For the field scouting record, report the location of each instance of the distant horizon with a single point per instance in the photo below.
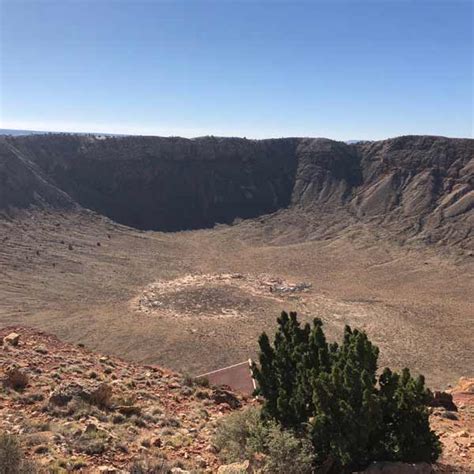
(335, 69)
(24, 132)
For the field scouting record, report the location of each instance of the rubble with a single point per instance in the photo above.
(155, 298)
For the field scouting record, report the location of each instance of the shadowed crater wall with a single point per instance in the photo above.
(168, 184)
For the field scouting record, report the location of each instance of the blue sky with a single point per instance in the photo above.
(342, 69)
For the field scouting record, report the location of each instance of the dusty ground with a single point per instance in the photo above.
(82, 278)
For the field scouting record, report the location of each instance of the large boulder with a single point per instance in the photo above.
(219, 395)
(12, 339)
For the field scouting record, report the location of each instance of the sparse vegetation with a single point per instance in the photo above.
(288, 454)
(12, 459)
(150, 466)
(31, 398)
(354, 417)
(11, 454)
(244, 434)
(238, 435)
(91, 442)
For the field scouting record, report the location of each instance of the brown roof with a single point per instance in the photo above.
(238, 377)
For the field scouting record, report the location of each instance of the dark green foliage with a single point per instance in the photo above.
(346, 403)
(403, 401)
(354, 421)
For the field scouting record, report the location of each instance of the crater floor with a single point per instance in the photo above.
(196, 301)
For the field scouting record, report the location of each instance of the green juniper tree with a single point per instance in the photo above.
(355, 417)
(403, 401)
(279, 374)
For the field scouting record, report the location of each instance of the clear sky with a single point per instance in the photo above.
(353, 69)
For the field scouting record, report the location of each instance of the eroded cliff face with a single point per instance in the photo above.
(416, 184)
(421, 185)
(327, 174)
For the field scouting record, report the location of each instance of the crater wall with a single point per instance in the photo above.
(419, 185)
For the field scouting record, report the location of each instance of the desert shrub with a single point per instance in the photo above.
(150, 466)
(243, 434)
(16, 379)
(201, 382)
(138, 421)
(93, 374)
(355, 417)
(36, 439)
(127, 400)
(61, 465)
(41, 449)
(92, 442)
(150, 418)
(287, 454)
(12, 460)
(179, 440)
(201, 394)
(190, 381)
(168, 421)
(11, 455)
(239, 435)
(187, 391)
(31, 426)
(78, 408)
(31, 398)
(118, 419)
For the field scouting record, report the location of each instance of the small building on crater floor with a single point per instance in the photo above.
(238, 377)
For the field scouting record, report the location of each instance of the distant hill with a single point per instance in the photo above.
(16, 133)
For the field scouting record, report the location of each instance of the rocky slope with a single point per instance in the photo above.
(75, 410)
(416, 186)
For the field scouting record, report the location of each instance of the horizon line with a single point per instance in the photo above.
(38, 131)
